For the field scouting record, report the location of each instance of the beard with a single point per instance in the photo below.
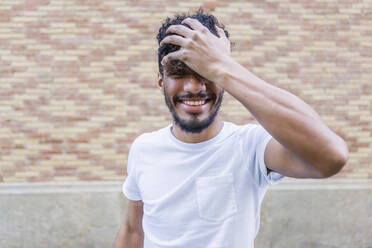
(194, 125)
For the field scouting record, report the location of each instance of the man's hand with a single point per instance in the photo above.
(200, 50)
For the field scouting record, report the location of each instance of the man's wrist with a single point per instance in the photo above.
(224, 71)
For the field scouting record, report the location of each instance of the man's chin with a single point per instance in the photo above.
(193, 126)
(192, 129)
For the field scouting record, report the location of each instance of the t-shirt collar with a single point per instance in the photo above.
(196, 145)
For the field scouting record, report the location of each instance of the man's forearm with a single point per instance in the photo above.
(286, 117)
(126, 239)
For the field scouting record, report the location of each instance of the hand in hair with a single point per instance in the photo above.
(200, 50)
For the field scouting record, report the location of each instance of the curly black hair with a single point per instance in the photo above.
(204, 18)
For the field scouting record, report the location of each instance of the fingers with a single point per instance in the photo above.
(220, 32)
(222, 35)
(175, 40)
(194, 24)
(180, 30)
(177, 55)
(197, 26)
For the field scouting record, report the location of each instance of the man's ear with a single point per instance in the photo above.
(160, 82)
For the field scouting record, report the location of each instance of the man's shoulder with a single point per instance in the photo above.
(248, 132)
(242, 128)
(151, 137)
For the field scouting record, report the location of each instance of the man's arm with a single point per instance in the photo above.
(131, 233)
(303, 145)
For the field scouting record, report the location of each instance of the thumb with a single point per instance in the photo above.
(220, 32)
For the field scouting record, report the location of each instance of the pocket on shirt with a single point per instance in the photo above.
(216, 197)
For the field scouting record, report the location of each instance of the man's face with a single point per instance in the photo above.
(192, 100)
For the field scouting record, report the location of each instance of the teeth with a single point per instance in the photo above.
(195, 103)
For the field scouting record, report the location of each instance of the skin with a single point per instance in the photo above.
(302, 145)
(131, 233)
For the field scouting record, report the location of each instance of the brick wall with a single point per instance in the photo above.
(77, 78)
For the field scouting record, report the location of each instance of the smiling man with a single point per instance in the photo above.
(193, 107)
(199, 182)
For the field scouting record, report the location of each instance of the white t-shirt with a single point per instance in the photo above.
(200, 195)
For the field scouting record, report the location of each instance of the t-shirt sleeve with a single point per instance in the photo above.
(255, 142)
(130, 186)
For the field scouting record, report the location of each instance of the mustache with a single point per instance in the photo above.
(200, 95)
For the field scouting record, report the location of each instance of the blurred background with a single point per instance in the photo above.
(78, 85)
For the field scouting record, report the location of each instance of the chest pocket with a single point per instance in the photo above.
(216, 197)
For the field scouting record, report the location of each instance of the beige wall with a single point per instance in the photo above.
(77, 78)
(299, 214)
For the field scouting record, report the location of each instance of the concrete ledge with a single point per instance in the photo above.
(60, 214)
(295, 213)
(114, 186)
(324, 184)
(59, 187)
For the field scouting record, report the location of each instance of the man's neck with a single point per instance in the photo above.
(210, 132)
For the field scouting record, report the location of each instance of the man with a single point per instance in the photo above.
(200, 181)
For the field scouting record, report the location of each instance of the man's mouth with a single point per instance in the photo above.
(194, 106)
(194, 102)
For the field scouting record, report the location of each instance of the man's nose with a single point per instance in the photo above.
(195, 85)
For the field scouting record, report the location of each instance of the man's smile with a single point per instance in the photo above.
(195, 106)
(194, 102)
